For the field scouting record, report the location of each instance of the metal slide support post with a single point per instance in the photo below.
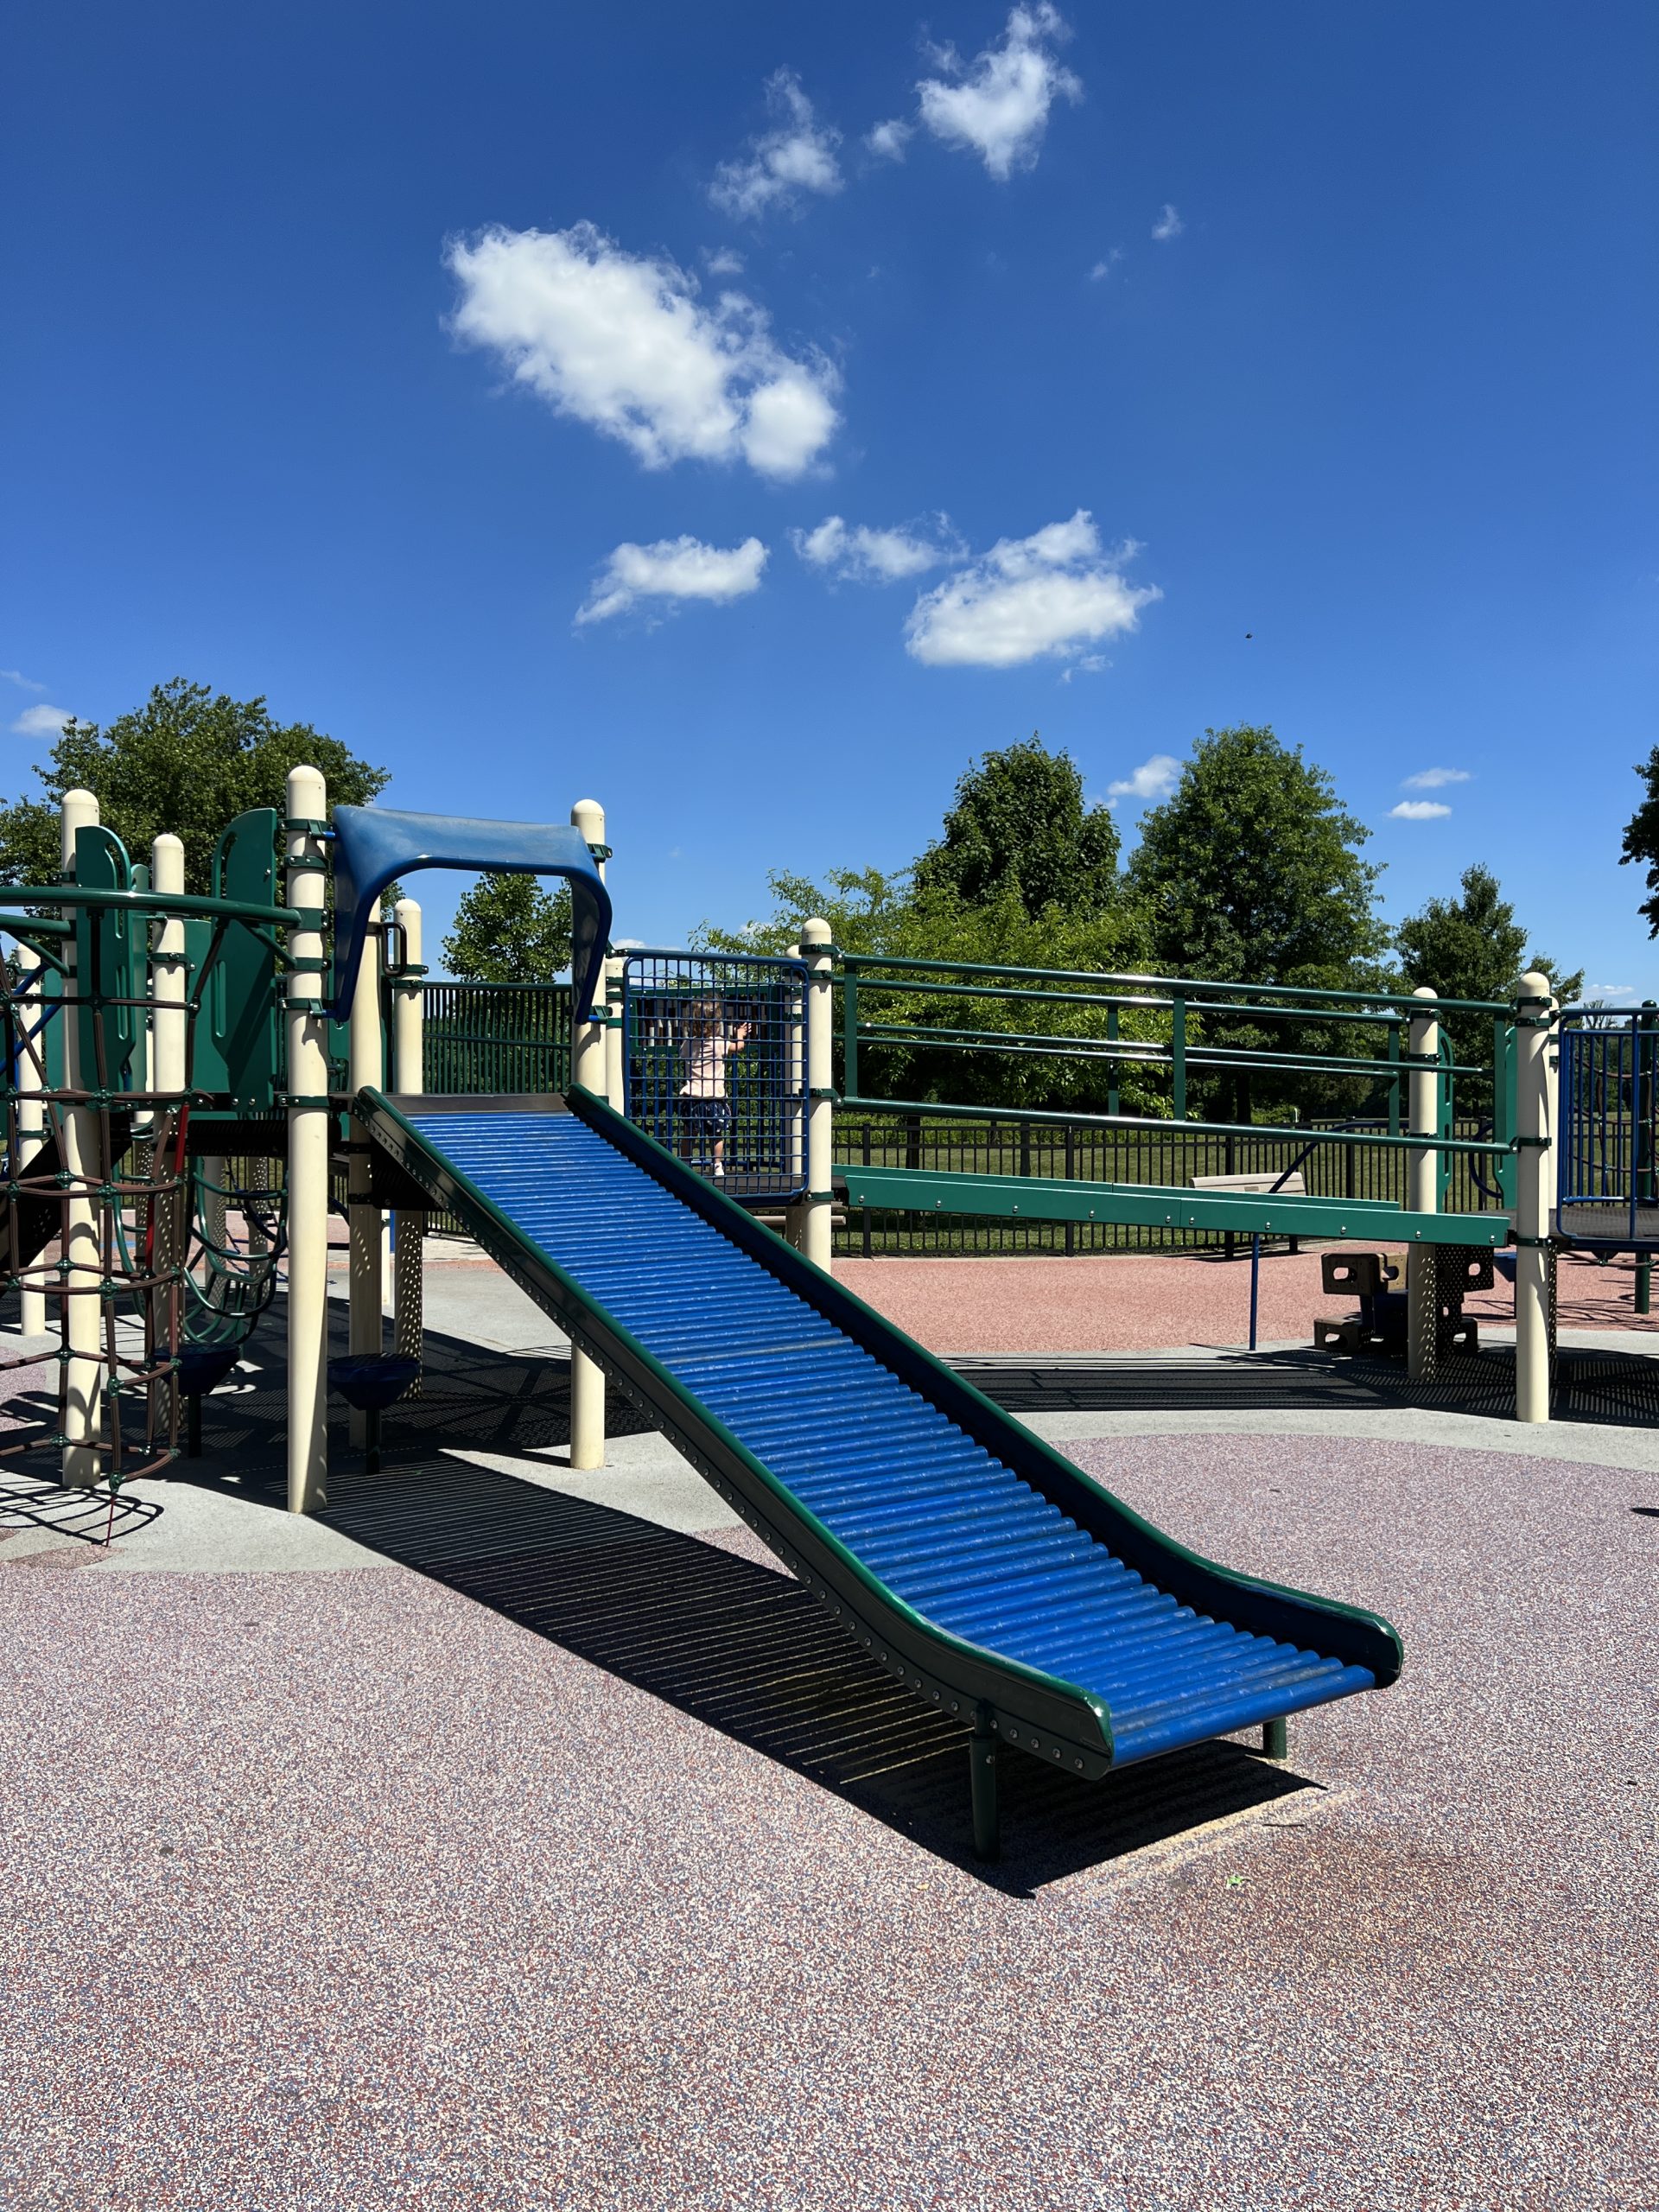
(366, 1059)
(31, 1115)
(588, 1059)
(981, 1783)
(821, 1100)
(408, 1077)
(616, 1081)
(80, 1269)
(308, 1152)
(1423, 1195)
(169, 984)
(1534, 1042)
(795, 1214)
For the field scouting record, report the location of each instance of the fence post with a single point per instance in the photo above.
(30, 1003)
(795, 1212)
(408, 1079)
(1534, 1126)
(1423, 1195)
(80, 1269)
(1178, 1057)
(588, 1067)
(366, 1066)
(307, 1150)
(820, 1113)
(169, 985)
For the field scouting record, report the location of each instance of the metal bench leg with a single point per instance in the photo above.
(1274, 1744)
(981, 1775)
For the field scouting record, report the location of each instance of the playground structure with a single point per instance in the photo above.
(157, 1039)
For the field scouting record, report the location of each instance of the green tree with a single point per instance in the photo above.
(1019, 822)
(1251, 872)
(1472, 947)
(186, 761)
(1642, 839)
(509, 930)
(875, 913)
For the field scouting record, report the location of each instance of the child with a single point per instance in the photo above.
(705, 1111)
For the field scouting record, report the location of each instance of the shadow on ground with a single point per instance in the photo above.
(1599, 1388)
(739, 1646)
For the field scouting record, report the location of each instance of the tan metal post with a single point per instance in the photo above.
(1423, 1195)
(31, 1115)
(820, 1125)
(169, 984)
(366, 1068)
(307, 1155)
(588, 1067)
(795, 1215)
(408, 1079)
(1534, 1055)
(616, 1087)
(82, 1272)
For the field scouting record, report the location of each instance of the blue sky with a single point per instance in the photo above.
(484, 386)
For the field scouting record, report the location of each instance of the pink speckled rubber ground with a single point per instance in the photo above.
(333, 1893)
(1135, 1302)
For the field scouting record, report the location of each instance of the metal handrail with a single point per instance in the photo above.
(1180, 985)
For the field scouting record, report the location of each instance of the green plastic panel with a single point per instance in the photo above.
(242, 1003)
(110, 956)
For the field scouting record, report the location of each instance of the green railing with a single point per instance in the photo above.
(1004, 1071)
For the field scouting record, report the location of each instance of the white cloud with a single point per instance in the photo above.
(1150, 781)
(798, 157)
(1434, 780)
(622, 342)
(1593, 992)
(1168, 225)
(723, 261)
(867, 555)
(889, 140)
(1419, 809)
(1051, 594)
(673, 568)
(1105, 265)
(997, 107)
(23, 683)
(41, 722)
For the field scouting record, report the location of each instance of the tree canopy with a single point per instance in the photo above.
(1642, 839)
(1021, 824)
(1472, 947)
(509, 930)
(186, 761)
(1251, 870)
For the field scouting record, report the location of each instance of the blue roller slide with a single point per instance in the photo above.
(993, 1576)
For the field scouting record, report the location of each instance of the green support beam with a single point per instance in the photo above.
(1148, 1205)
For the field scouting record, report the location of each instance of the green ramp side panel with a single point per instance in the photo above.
(110, 965)
(988, 1573)
(242, 1002)
(1158, 1205)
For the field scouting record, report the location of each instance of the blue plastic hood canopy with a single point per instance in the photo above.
(376, 845)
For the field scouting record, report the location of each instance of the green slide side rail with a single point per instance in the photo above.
(1156, 1206)
(1040, 1713)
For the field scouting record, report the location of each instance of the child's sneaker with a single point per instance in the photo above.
(720, 1171)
